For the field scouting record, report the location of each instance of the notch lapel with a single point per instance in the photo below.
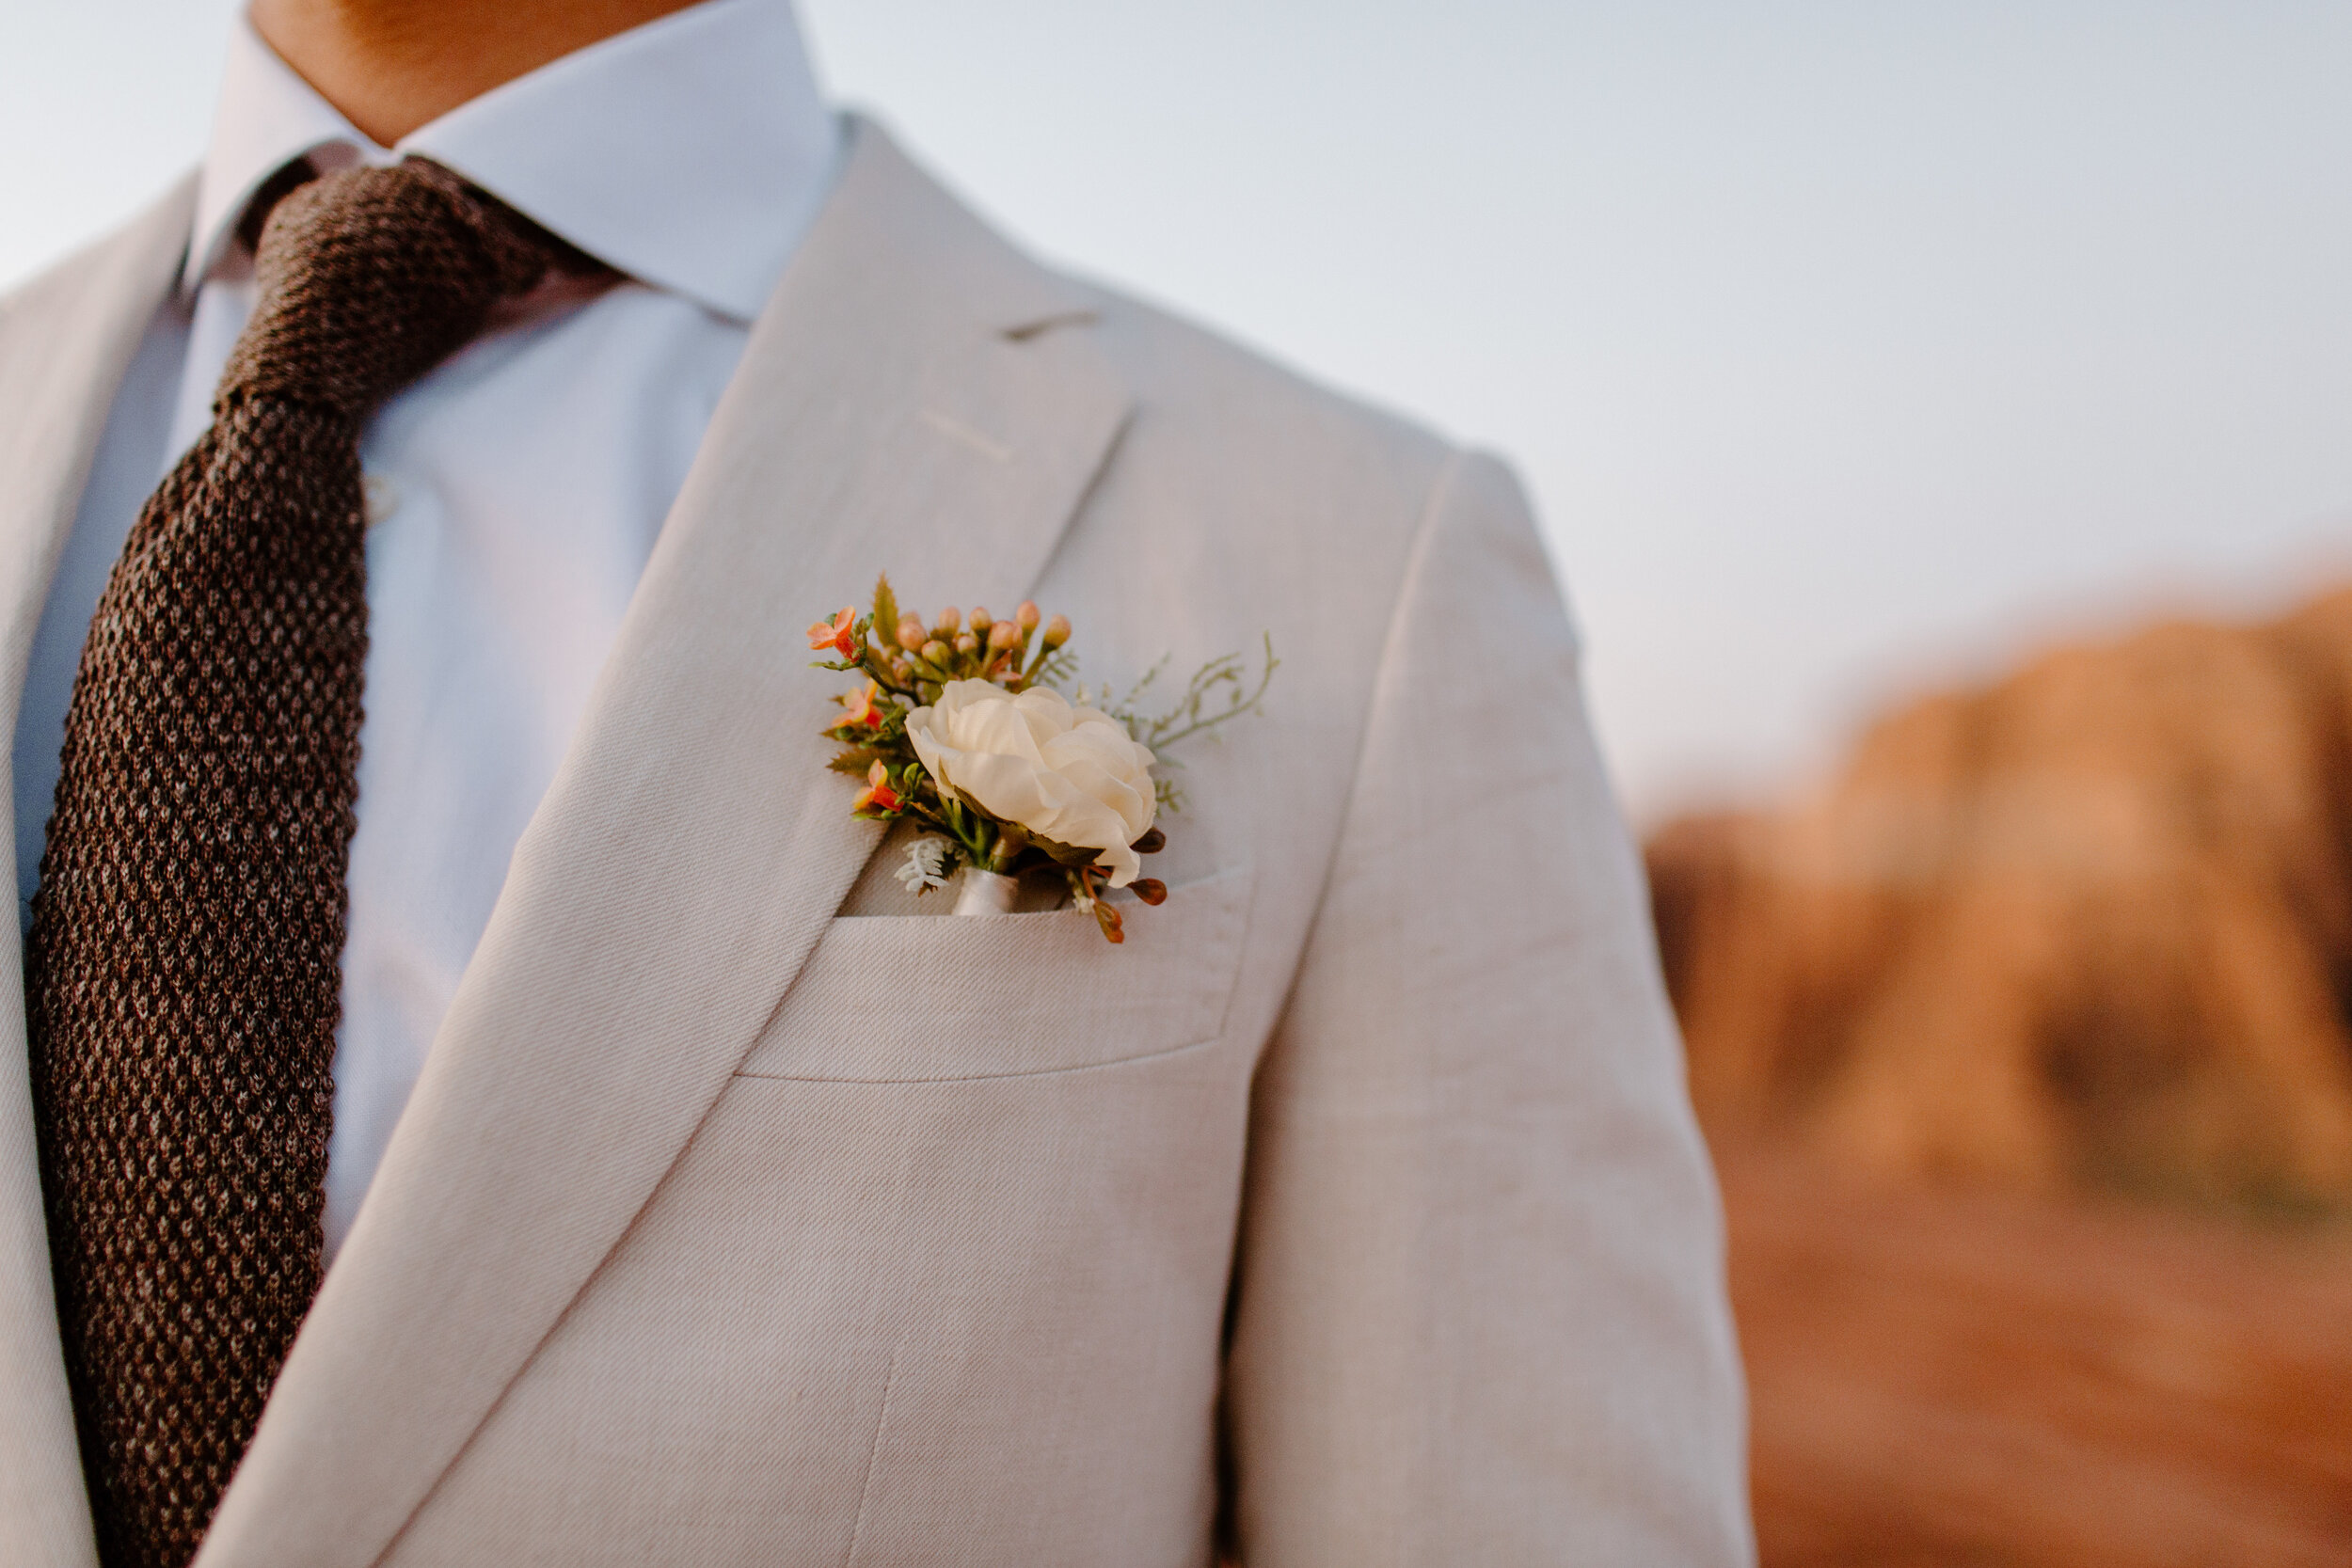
(66, 341)
(899, 406)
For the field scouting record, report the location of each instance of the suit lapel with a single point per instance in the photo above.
(899, 406)
(65, 343)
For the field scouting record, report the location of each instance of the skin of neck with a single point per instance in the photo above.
(391, 66)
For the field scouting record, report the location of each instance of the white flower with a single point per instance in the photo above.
(926, 867)
(1071, 774)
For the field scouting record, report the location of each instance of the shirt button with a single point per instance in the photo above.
(379, 497)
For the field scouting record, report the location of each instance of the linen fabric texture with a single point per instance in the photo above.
(748, 1213)
(181, 974)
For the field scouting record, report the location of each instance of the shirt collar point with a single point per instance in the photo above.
(711, 210)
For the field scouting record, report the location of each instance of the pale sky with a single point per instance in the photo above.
(1842, 346)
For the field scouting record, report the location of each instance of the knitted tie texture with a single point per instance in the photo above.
(182, 973)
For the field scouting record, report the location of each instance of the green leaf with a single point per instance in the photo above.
(857, 759)
(1064, 854)
(885, 613)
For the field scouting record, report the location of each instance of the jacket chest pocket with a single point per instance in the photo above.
(911, 999)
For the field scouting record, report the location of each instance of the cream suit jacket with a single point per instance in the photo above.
(741, 1217)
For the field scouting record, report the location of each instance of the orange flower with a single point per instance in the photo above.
(877, 795)
(835, 634)
(861, 706)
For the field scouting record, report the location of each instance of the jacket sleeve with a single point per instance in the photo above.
(1479, 1313)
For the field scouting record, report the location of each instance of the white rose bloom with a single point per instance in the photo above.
(1071, 774)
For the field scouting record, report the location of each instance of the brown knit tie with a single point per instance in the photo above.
(182, 976)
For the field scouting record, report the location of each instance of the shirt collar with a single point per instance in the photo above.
(691, 153)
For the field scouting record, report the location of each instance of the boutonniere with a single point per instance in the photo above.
(961, 724)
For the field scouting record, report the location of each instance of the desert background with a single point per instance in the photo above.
(2021, 1040)
(1941, 421)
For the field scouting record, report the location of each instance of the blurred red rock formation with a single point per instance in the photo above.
(2088, 925)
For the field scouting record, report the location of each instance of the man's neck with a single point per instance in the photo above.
(391, 66)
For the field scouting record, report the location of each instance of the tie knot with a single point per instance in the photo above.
(369, 277)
